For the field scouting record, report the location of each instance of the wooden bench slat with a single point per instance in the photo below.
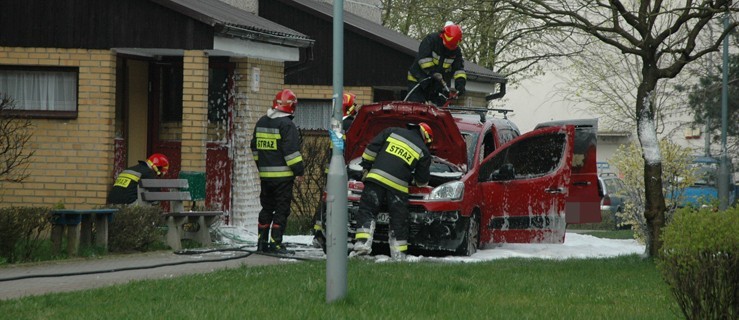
(165, 196)
(164, 183)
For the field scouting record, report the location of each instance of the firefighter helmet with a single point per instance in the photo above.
(159, 163)
(349, 104)
(426, 133)
(451, 36)
(285, 101)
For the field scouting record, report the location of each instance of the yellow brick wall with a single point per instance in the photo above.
(194, 110)
(364, 94)
(73, 158)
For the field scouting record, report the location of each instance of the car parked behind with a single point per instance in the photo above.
(614, 197)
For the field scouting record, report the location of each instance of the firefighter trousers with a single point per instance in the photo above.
(375, 197)
(275, 199)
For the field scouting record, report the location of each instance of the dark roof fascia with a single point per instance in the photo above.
(248, 26)
(387, 36)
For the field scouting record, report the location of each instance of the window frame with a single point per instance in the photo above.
(46, 114)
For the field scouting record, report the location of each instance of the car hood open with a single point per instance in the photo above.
(373, 118)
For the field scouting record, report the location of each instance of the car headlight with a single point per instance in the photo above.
(448, 191)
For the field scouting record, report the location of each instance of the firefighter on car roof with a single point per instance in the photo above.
(125, 187)
(392, 160)
(438, 53)
(276, 149)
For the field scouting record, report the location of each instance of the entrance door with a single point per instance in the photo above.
(165, 111)
(219, 162)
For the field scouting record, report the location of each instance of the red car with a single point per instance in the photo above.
(489, 184)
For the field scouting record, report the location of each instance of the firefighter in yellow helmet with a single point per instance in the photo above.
(275, 146)
(350, 109)
(392, 160)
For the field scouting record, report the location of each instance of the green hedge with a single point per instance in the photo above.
(136, 228)
(700, 262)
(21, 229)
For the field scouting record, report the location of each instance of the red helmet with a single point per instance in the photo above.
(350, 104)
(451, 36)
(426, 133)
(285, 101)
(159, 163)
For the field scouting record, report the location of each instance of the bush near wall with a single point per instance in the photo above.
(700, 262)
(21, 229)
(136, 228)
(315, 149)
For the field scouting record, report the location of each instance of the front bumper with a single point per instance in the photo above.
(429, 230)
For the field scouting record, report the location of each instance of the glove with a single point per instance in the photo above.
(453, 93)
(460, 90)
(364, 174)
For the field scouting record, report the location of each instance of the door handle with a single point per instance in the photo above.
(554, 190)
(581, 183)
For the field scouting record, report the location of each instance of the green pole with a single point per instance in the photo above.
(724, 174)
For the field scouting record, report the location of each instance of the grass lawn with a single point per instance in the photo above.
(626, 287)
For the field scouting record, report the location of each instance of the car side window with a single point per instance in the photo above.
(532, 157)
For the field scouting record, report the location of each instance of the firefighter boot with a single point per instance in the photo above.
(276, 245)
(363, 243)
(397, 247)
(263, 238)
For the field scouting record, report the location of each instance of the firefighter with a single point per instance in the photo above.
(125, 187)
(394, 159)
(350, 109)
(439, 52)
(276, 149)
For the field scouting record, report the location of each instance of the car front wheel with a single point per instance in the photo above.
(468, 247)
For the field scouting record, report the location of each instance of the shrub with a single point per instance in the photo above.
(307, 196)
(20, 231)
(135, 228)
(700, 262)
(677, 174)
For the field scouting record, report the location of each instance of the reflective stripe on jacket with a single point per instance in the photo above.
(395, 157)
(276, 148)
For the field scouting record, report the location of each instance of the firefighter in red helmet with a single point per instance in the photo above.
(125, 187)
(438, 53)
(393, 160)
(275, 146)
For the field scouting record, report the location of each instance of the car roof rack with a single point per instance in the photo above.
(481, 111)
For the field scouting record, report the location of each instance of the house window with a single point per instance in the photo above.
(41, 92)
(313, 114)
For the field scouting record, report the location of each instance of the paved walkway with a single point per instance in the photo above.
(79, 274)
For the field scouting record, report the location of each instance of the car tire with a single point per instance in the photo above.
(471, 240)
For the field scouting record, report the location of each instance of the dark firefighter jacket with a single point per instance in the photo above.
(395, 156)
(434, 57)
(125, 187)
(276, 148)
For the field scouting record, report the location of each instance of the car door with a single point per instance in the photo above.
(583, 202)
(524, 186)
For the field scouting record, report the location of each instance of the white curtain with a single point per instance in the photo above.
(313, 114)
(40, 90)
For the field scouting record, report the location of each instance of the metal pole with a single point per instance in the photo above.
(723, 174)
(336, 201)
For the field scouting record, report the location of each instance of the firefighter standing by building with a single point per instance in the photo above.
(276, 149)
(350, 109)
(125, 187)
(439, 52)
(393, 159)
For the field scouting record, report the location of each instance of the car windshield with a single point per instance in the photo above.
(470, 138)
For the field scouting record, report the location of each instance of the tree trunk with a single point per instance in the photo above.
(654, 211)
